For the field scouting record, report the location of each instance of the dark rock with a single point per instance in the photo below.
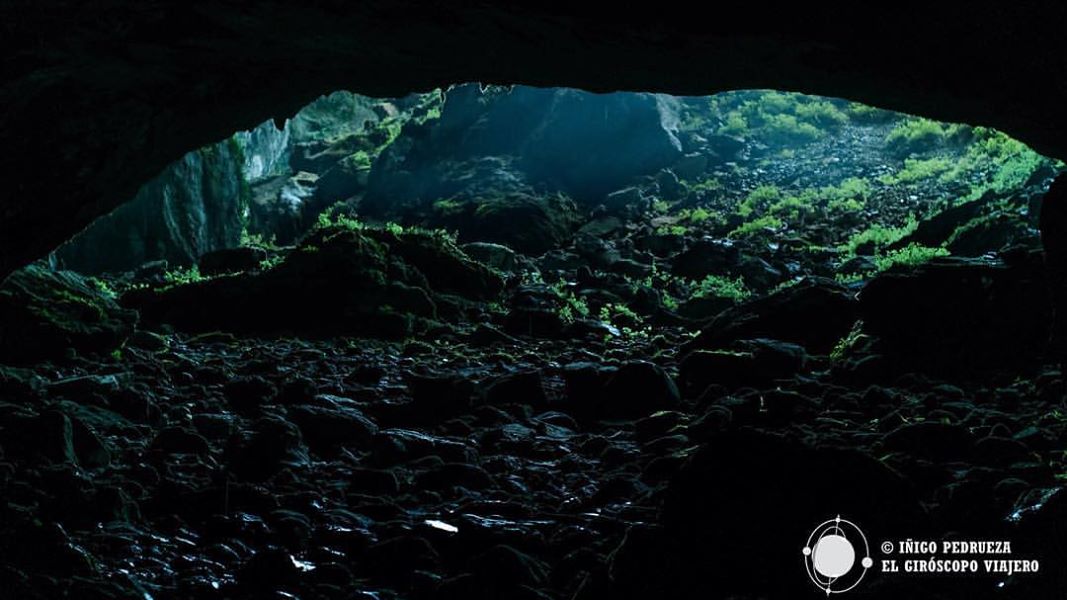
(268, 570)
(519, 388)
(634, 390)
(751, 363)
(339, 281)
(394, 446)
(956, 315)
(734, 488)
(177, 440)
(706, 257)
(816, 313)
(44, 314)
(450, 475)
(231, 260)
(438, 397)
(196, 205)
(496, 256)
(249, 394)
(325, 428)
(991, 233)
(272, 445)
(934, 441)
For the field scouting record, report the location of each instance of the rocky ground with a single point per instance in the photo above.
(645, 396)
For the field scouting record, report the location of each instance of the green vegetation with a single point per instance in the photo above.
(918, 170)
(717, 286)
(775, 116)
(915, 135)
(758, 200)
(877, 237)
(755, 226)
(908, 256)
(182, 276)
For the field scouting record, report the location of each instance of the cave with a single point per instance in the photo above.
(462, 301)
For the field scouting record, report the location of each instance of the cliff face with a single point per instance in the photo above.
(197, 204)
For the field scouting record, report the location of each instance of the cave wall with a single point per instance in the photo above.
(99, 97)
(198, 204)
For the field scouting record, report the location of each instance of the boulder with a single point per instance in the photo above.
(953, 314)
(231, 260)
(45, 313)
(743, 506)
(816, 313)
(340, 280)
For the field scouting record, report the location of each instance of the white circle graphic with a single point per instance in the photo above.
(833, 556)
(830, 556)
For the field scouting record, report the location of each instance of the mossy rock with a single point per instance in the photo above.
(44, 313)
(339, 281)
(525, 222)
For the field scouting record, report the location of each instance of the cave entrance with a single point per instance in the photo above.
(713, 200)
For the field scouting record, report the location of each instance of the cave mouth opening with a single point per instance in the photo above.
(778, 185)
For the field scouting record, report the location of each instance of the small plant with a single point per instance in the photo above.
(182, 276)
(614, 312)
(915, 135)
(448, 206)
(758, 200)
(717, 286)
(847, 342)
(339, 220)
(756, 226)
(878, 236)
(918, 170)
(908, 256)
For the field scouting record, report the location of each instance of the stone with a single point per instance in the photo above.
(341, 280)
(271, 445)
(953, 316)
(326, 429)
(231, 260)
(178, 440)
(752, 363)
(525, 387)
(496, 256)
(933, 441)
(815, 313)
(44, 314)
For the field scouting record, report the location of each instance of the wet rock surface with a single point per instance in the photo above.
(216, 466)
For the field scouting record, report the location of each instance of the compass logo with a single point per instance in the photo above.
(830, 556)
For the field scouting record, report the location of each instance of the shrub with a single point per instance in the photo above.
(821, 114)
(758, 200)
(915, 135)
(789, 129)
